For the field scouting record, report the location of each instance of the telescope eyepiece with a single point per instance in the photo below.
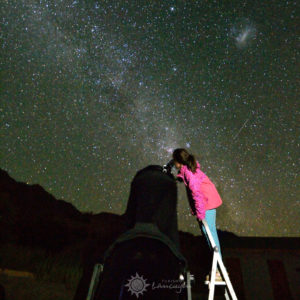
(168, 167)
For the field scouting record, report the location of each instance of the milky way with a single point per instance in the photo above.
(92, 91)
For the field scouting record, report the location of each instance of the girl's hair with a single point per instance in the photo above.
(183, 157)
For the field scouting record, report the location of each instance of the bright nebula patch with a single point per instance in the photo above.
(243, 33)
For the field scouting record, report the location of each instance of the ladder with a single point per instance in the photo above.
(98, 268)
(217, 261)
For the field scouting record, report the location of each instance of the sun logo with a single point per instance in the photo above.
(137, 285)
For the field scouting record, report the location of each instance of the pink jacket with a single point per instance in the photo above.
(203, 191)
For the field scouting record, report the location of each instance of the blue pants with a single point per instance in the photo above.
(210, 217)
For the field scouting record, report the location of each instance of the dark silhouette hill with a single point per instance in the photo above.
(31, 216)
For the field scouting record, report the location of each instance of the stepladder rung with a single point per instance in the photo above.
(216, 283)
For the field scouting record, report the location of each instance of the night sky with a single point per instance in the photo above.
(93, 91)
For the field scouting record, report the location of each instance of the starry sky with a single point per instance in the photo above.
(92, 91)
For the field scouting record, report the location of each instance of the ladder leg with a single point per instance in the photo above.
(226, 294)
(98, 268)
(189, 292)
(212, 279)
(226, 278)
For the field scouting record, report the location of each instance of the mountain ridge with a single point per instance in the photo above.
(29, 215)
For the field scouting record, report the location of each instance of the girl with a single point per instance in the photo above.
(202, 193)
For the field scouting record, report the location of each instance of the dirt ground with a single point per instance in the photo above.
(32, 289)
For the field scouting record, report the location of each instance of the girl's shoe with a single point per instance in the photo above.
(218, 277)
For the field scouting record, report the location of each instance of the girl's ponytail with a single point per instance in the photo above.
(183, 157)
(191, 163)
